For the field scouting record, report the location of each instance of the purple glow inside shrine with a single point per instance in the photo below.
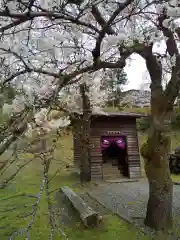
(106, 141)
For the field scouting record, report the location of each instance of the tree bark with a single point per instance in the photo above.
(159, 207)
(85, 173)
(155, 150)
(155, 153)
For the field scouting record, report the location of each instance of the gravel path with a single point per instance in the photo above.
(129, 200)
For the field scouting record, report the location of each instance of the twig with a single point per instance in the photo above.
(10, 160)
(52, 222)
(54, 190)
(19, 195)
(6, 181)
(34, 211)
(15, 208)
(51, 217)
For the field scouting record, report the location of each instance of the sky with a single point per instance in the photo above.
(136, 73)
(138, 76)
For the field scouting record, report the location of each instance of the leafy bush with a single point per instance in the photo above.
(143, 124)
(176, 118)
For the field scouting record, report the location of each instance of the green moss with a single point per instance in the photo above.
(144, 150)
(165, 140)
(113, 228)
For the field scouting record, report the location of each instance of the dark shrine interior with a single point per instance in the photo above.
(116, 156)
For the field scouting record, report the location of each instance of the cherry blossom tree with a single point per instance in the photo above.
(51, 44)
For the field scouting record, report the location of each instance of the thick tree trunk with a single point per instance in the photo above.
(159, 208)
(155, 153)
(85, 174)
(81, 133)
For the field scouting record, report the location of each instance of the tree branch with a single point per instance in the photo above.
(170, 42)
(17, 127)
(173, 87)
(6, 181)
(106, 27)
(24, 17)
(99, 18)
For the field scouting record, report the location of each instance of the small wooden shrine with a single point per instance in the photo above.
(114, 148)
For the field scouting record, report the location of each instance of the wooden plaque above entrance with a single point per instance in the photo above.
(114, 132)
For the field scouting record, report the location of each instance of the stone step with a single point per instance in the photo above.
(110, 166)
(111, 169)
(111, 172)
(113, 176)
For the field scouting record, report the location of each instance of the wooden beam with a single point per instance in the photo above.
(89, 217)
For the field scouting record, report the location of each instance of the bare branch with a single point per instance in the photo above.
(16, 128)
(173, 85)
(24, 17)
(97, 15)
(171, 43)
(6, 181)
(34, 211)
(19, 195)
(106, 27)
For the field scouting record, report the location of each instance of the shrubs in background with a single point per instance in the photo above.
(144, 123)
(176, 119)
